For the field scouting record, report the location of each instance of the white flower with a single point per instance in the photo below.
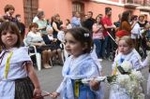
(127, 66)
(137, 75)
(130, 81)
(122, 79)
(141, 96)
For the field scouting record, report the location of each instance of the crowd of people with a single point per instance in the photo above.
(84, 42)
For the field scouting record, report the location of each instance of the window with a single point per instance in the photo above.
(78, 7)
(30, 10)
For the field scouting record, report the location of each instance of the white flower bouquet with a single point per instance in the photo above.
(128, 79)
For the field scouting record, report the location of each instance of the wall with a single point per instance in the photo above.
(52, 7)
(99, 8)
(64, 8)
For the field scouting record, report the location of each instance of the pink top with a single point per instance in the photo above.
(97, 31)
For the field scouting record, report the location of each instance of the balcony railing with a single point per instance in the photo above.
(137, 2)
(134, 2)
(146, 2)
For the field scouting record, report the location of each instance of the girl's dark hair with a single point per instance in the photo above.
(12, 28)
(125, 16)
(83, 36)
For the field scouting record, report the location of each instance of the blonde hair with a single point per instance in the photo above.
(128, 40)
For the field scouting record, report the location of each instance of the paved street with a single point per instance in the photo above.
(51, 78)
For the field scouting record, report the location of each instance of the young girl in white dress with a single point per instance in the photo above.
(18, 79)
(79, 65)
(126, 53)
(146, 63)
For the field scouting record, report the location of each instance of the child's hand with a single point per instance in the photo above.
(94, 84)
(54, 95)
(113, 26)
(37, 92)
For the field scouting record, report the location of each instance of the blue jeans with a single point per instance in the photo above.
(105, 49)
(99, 47)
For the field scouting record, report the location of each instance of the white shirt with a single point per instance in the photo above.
(61, 36)
(16, 71)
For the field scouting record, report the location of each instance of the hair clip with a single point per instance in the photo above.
(86, 34)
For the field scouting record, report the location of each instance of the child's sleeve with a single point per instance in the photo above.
(146, 62)
(61, 87)
(136, 63)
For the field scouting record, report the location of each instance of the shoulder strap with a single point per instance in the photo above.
(7, 65)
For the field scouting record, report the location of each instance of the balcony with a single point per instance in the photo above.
(145, 5)
(133, 3)
(146, 2)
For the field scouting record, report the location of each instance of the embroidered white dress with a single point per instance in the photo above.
(116, 91)
(16, 71)
(146, 63)
(148, 85)
(82, 67)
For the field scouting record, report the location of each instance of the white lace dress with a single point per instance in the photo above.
(117, 92)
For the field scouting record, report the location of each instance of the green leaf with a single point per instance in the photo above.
(111, 79)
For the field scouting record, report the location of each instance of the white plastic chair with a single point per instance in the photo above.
(34, 53)
(64, 52)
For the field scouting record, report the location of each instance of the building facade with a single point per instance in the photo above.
(28, 8)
